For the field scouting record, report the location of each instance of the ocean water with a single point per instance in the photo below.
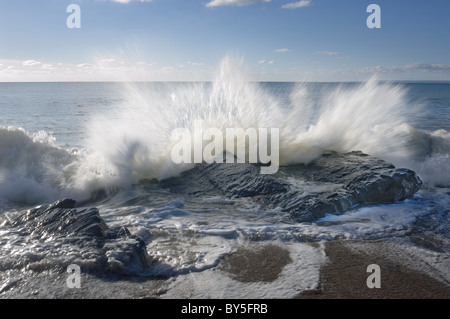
(104, 145)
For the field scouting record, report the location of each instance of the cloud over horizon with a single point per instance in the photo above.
(116, 69)
(297, 5)
(266, 62)
(329, 53)
(101, 69)
(237, 3)
(418, 66)
(128, 1)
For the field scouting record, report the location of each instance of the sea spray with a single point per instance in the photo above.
(131, 141)
(31, 166)
(136, 139)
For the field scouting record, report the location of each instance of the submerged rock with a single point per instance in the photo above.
(99, 246)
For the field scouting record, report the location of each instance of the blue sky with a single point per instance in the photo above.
(278, 40)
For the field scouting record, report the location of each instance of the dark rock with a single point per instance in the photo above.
(60, 222)
(241, 180)
(61, 219)
(351, 179)
(334, 183)
(233, 180)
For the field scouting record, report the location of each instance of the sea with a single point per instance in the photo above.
(104, 144)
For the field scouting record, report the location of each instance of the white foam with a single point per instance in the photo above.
(299, 275)
(30, 166)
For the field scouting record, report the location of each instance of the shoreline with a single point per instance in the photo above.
(343, 275)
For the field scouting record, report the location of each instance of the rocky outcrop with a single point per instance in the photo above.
(347, 180)
(241, 180)
(61, 224)
(332, 184)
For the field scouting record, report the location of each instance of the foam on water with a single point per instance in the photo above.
(185, 240)
(300, 274)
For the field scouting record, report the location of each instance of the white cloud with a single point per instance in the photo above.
(31, 63)
(427, 67)
(409, 72)
(109, 68)
(296, 5)
(266, 62)
(195, 63)
(128, 1)
(48, 66)
(424, 67)
(238, 3)
(143, 64)
(330, 53)
(82, 65)
(284, 50)
(101, 69)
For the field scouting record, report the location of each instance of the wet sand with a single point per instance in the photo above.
(345, 275)
(253, 265)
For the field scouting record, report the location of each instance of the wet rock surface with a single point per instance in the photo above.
(95, 245)
(351, 179)
(332, 184)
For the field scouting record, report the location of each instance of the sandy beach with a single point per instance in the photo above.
(344, 275)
